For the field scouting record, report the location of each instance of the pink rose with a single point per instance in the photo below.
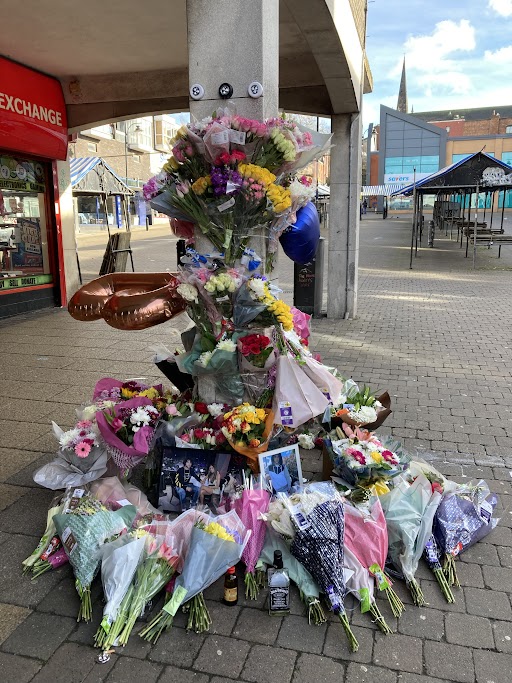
(171, 410)
(117, 424)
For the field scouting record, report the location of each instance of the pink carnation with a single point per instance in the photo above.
(84, 424)
(82, 449)
(171, 410)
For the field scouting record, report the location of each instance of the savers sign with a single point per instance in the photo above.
(32, 112)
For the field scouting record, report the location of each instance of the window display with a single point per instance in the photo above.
(23, 229)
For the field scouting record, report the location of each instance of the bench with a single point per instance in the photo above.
(489, 240)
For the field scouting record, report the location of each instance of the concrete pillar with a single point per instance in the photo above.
(344, 202)
(67, 219)
(235, 42)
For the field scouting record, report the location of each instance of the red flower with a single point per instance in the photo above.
(238, 155)
(201, 408)
(253, 344)
(223, 159)
(199, 433)
(436, 486)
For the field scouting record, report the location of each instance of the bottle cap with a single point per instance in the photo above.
(231, 570)
(278, 559)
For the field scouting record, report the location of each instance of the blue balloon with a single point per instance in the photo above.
(300, 241)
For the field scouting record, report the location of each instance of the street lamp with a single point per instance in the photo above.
(137, 129)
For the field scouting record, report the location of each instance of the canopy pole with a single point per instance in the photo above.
(463, 218)
(413, 219)
(503, 208)
(476, 223)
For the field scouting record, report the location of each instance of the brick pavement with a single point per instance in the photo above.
(438, 338)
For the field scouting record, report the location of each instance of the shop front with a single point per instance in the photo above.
(33, 136)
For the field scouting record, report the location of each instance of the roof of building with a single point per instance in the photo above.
(402, 104)
(477, 114)
(466, 173)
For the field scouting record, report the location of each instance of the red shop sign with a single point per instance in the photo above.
(32, 112)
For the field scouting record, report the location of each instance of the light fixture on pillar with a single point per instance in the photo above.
(255, 89)
(196, 91)
(225, 91)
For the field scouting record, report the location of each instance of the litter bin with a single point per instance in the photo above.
(308, 283)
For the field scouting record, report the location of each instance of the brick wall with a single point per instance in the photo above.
(359, 12)
(113, 153)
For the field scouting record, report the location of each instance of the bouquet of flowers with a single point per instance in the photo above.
(128, 429)
(300, 576)
(256, 349)
(214, 547)
(360, 584)
(82, 457)
(463, 517)
(82, 531)
(361, 459)
(318, 545)
(202, 437)
(366, 537)
(248, 430)
(46, 542)
(119, 562)
(222, 176)
(409, 512)
(154, 571)
(250, 508)
(361, 409)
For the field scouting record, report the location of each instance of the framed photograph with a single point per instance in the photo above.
(195, 477)
(281, 468)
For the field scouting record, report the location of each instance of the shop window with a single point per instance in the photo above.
(508, 130)
(136, 158)
(92, 147)
(23, 226)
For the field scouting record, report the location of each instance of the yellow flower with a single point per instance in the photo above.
(376, 456)
(201, 184)
(128, 393)
(171, 165)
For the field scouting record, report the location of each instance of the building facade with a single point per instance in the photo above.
(414, 145)
(135, 150)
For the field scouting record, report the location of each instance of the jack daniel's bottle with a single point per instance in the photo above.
(278, 587)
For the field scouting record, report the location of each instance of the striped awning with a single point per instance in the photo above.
(80, 167)
(380, 190)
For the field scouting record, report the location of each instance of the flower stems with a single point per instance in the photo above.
(162, 622)
(85, 611)
(444, 585)
(199, 619)
(252, 589)
(450, 571)
(417, 594)
(107, 640)
(397, 606)
(315, 612)
(379, 619)
(352, 640)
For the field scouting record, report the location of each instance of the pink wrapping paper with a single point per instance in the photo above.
(249, 507)
(367, 536)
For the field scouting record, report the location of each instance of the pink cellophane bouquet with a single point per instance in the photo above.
(250, 508)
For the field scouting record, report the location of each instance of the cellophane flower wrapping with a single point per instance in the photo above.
(119, 562)
(409, 511)
(296, 570)
(114, 494)
(464, 517)
(366, 534)
(250, 507)
(318, 544)
(126, 455)
(208, 558)
(84, 529)
(358, 579)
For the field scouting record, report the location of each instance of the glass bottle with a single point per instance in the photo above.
(230, 587)
(278, 587)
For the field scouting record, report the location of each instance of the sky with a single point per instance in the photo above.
(458, 53)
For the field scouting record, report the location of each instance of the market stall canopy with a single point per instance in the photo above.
(324, 190)
(92, 175)
(381, 190)
(117, 60)
(476, 169)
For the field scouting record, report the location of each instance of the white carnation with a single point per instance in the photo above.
(215, 409)
(205, 358)
(257, 285)
(226, 345)
(188, 292)
(365, 415)
(306, 441)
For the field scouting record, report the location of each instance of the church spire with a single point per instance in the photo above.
(402, 93)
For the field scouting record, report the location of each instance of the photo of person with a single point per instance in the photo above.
(281, 469)
(199, 478)
(186, 482)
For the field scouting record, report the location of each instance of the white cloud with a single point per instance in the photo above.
(501, 56)
(429, 53)
(502, 7)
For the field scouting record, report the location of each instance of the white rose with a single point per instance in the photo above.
(306, 441)
(188, 292)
